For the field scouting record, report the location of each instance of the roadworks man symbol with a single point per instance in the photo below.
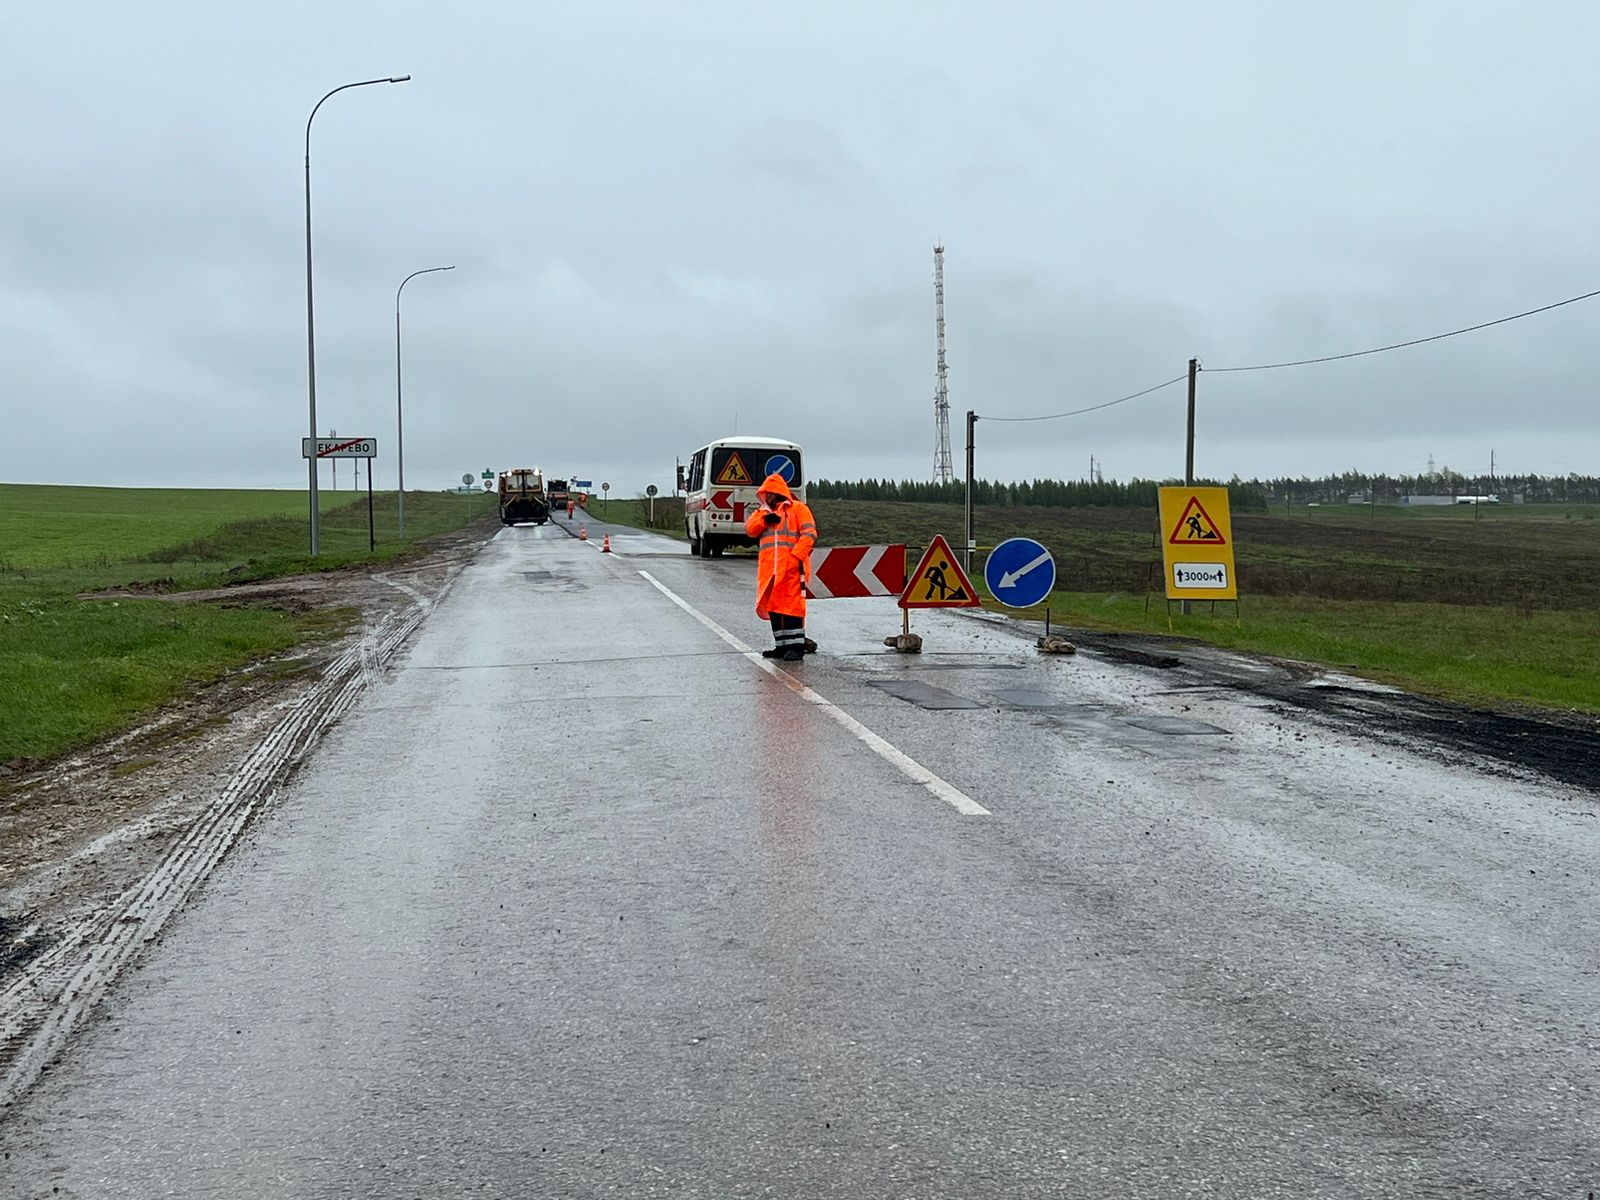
(939, 581)
(733, 473)
(1196, 526)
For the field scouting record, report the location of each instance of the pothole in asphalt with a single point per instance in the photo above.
(1032, 698)
(1172, 725)
(923, 695)
(967, 666)
(1142, 658)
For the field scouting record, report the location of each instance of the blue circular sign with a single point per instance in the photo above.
(781, 464)
(1020, 572)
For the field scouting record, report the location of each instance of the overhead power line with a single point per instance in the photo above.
(1077, 412)
(1306, 362)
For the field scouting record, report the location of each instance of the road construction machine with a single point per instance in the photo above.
(522, 496)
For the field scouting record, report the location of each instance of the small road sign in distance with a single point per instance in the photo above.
(1020, 572)
(340, 447)
(467, 478)
(841, 571)
(651, 490)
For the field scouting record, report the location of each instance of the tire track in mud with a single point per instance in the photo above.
(49, 998)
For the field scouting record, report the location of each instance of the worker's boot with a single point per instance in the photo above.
(794, 653)
(811, 647)
(774, 652)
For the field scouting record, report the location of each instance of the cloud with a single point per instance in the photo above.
(668, 223)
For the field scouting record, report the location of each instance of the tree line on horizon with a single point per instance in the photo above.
(1027, 493)
(1244, 495)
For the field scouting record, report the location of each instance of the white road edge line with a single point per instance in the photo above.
(904, 763)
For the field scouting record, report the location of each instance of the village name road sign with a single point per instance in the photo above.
(1197, 544)
(340, 447)
(1020, 572)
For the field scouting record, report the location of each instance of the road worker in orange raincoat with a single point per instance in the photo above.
(786, 531)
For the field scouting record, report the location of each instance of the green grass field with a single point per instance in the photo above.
(74, 669)
(635, 513)
(43, 526)
(1527, 557)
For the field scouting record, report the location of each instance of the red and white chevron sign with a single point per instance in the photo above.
(840, 571)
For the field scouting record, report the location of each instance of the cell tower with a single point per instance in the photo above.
(943, 471)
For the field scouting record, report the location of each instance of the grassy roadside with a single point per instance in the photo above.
(74, 669)
(635, 513)
(1476, 655)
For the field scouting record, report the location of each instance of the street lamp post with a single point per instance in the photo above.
(311, 325)
(399, 410)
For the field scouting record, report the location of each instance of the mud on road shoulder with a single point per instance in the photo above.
(1559, 745)
(110, 839)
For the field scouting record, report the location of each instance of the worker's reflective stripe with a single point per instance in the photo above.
(808, 527)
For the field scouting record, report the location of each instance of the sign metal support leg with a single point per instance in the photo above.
(372, 529)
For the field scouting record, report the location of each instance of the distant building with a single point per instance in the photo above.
(1445, 501)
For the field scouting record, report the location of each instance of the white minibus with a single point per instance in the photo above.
(720, 484)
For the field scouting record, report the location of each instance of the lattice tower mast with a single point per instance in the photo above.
(943, 471)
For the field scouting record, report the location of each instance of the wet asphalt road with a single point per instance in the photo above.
(581, 901)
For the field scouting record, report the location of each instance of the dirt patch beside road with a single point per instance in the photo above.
(78, 832)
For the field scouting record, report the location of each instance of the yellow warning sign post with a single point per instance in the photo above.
(1197, 544)
(733, 473)
(939, 581)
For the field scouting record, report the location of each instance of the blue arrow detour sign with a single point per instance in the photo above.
(1020, 572)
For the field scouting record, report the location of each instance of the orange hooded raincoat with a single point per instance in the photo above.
(785, 552)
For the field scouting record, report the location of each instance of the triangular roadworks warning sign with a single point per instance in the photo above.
(939, 581)
(734, 473)
(1195, 527)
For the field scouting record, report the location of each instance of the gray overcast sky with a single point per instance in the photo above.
(669, 219)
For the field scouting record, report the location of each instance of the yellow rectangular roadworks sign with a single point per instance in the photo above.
(1197, 544)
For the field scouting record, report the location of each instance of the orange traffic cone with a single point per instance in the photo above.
(583, 533)
(606, 548)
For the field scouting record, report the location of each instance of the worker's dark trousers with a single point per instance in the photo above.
(789, 631)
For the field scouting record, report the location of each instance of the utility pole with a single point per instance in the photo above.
(1188, 460)
(972, 544)
(943, 472)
